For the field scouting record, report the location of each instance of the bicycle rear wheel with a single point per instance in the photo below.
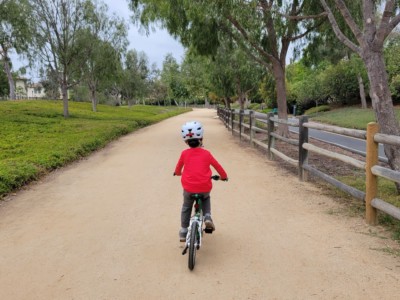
(192, 246)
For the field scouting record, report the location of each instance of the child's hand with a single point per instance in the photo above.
(217, 177)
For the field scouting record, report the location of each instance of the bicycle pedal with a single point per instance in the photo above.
(208, 230)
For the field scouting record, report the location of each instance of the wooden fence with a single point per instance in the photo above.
(250, 125)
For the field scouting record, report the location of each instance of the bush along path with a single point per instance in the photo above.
(35, 137)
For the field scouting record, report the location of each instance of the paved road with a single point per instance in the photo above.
(341, 140)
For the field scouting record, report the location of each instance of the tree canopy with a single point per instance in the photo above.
(264, 30)
(16, 31)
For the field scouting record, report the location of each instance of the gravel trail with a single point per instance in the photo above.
(107, 228)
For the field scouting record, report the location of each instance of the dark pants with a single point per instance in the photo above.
(188, 204)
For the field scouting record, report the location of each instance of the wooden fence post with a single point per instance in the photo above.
(252, 125)
(271, 126)
(303, 153)
(232, 119)
(240, 123)
(371, 179)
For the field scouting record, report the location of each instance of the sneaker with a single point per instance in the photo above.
(182, 234)
(209, 223)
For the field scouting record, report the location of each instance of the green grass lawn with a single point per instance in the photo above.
(35, 137)
(349, 117)
(386, 191)
(353, 117)
(357, 118)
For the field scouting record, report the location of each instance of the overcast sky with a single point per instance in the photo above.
(156, 45)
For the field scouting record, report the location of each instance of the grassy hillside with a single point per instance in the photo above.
(349, 117)
(35, 137)
(352, 117)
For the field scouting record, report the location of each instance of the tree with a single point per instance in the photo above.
(304, 84)
(59, 23)
(392, 61)
(50, 84)
(15, 34)
(370, 36)
(195, 71)
(323, 48)
(263, 28)
(100, 69)
(4, 85)
(247, 75)
(268, 92)
(234, 74)
(172, 78)
(135, 76)
(340, 82)
(222, 76)
(104, 40)
(158, 91)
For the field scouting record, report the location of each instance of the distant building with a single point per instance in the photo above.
(35, 91)
(21, 87)
(26, 90)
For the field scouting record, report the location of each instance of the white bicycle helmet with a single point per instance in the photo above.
(192, 130)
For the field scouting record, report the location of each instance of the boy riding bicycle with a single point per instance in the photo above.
(196, 175)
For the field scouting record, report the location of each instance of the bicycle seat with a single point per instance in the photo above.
(196, 196)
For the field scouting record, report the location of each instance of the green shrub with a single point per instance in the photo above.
(254, 106)
(267, 110)
(35, 138)
(317, 109)
(235, 105)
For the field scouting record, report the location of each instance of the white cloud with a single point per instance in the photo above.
(156, 45)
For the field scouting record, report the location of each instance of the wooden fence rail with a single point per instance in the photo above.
(253, 126)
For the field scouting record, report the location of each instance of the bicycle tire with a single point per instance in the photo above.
(192, 246)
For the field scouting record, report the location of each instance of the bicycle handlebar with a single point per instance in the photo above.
(214, 177)
(217, 177)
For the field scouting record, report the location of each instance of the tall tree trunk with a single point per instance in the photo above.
(118, 97)
(227, 102)
(372, 99)
(362, 91)
(94, 99)
(64, 91)
(92, 84)
(384, 110)
(279, 76)
(239, 93)
(7, 70)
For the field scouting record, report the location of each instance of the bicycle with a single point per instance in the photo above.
(195, 230)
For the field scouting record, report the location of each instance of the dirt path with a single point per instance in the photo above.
(107, 228)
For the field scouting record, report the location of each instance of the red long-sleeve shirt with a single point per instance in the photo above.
(196, 175)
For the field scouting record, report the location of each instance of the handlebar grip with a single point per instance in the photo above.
(215, 177)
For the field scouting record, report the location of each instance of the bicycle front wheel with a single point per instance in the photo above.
(192, 246)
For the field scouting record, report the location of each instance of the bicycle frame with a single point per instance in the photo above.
(196, 218)
(195, 230)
